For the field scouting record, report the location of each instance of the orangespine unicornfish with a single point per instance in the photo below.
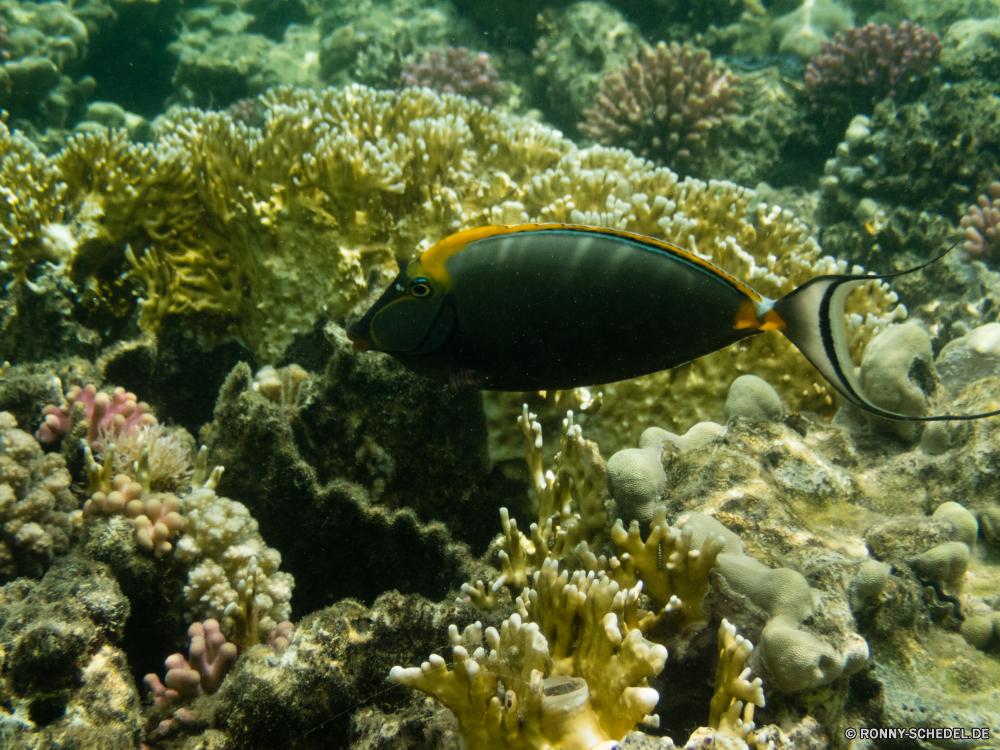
(554, 306)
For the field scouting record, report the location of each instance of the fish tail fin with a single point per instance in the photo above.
(814, 321)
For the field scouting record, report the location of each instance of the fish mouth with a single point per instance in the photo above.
(360, 344)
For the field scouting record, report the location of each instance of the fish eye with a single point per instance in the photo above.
(421, 288)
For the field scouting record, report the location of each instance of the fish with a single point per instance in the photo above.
(541, 307)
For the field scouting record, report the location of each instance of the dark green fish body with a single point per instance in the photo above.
(557, 328)
(553, 306)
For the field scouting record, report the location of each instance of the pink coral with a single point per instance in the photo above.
(458, 72)
(210, 659)
(873, 62)
(663, 104)
(982, 227)
(118, 413)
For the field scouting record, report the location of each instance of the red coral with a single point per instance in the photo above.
(982, 228)
(663, 104)
(458, 72)
(873, 62)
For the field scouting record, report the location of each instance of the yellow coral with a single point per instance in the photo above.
(673, 575)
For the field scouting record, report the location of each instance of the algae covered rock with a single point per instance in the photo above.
(63, 671)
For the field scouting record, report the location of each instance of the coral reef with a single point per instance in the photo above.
(663, 104)
(935, 155)
(866, 65)
(458, 71)
(349, 457)
(372, 42)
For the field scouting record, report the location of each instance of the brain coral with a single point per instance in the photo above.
(252, 233)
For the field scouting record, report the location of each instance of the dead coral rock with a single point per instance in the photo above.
(336, 662)
(60, 665)
(340, 541)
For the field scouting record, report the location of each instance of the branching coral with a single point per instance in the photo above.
(457, 72)
(155, 517)
(663, 104)
(571, 510)
(597, 696)
(873, 62)
(673, 572)
(233, 575)
(118, 413)
(982, 227)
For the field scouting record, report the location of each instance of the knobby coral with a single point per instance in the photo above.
(39, 516)
(457, 72)
(872, 62)
(663, 104)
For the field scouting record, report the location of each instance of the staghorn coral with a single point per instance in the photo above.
(457, 72)
(981, 223)
(39, 516)
(870, 63)
(663, 104)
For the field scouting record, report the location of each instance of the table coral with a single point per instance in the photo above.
(663, 104)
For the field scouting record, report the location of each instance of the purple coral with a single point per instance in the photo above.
(458, 72)
(873, 62)
(982, 227)
(664, 103)
(242, 110)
